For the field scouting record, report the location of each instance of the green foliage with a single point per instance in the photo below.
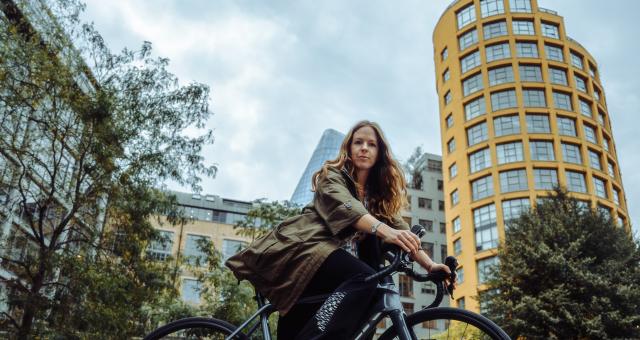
(86, 135)
(264, 217)
(566, 272)
(414, 167)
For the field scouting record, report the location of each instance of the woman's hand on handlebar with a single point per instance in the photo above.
(404, 239)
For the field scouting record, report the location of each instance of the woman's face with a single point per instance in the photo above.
(364, 148)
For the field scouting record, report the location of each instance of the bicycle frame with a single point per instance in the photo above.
(387, 305)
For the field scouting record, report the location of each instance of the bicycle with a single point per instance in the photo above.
(474, 326)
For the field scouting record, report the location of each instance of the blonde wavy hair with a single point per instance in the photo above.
(386, 185)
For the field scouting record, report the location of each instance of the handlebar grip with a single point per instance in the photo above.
(418, 230)
(452, 263)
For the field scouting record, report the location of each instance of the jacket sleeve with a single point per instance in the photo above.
(335, 204)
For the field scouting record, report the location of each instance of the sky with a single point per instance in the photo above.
(281, 72)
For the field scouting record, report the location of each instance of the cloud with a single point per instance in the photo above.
(281, 72)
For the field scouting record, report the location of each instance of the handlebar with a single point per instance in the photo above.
(401, 262)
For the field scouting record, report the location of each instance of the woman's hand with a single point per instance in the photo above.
(405, 239)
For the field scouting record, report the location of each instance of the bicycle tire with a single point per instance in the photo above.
(173, 329)
(479, 323)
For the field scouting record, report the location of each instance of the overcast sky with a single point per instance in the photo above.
(281, 72)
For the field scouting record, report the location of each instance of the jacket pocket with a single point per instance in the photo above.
(273, 262)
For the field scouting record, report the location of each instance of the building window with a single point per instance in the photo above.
(503, 100)
(457, 247)
(596, 95)
(231, 247)
(443, 247)
(460, 277)
(449, 121)
(485, 269)
(553, 52)
(427, 224)
(405, 283)
(440, 183)
(594, 160)
(456, 225)
(611, 170)
(455, 198)
(428, 248)
(466, 16)
(193, 249)
(599, 187)
(527, 49)
(545, 179)
(581, 84)
(605, 144)
(446, 76)
(558, 76)
(500, 75)
(506, 125)
(472, 84)
(590, 134)
(441, 205)
(562, 101)
(470, 62)
(616, 197)
(531, 73)
(482, 187)
(512, 209)
(453, 171)
(571, 153)
(542, 151)
(424, 203)
(161, 246)
(444, 54)
(475, 108)
(566, 126)
(523, 6)
(576, 60)
(480, 160)
(523, 27)
(550, 30)
(191, 290)
(497, 52)
(486, 228)
(468, 39)
(513, 180)
(477, 134)
(491, 7)
(601, 118)
(451, 145)
(509, 152)
(534, 98)
(494, 29)
(538, 124)
(576, 182)
(447, 97)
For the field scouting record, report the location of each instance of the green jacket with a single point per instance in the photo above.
(281, 263)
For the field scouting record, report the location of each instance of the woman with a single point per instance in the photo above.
(359, 193)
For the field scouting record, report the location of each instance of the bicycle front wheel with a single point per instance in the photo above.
(443, 323)
(195, 328)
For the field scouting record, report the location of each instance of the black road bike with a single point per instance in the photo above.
(432, 322)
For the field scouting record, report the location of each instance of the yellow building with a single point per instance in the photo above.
(521, 109)
(211, 219)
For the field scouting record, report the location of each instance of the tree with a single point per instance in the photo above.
(265, 216)
(566, 272)
(86, 136)
(414, 167)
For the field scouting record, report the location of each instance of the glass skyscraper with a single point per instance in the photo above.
(327, 149)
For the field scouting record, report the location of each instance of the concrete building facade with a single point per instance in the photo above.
(522, 109)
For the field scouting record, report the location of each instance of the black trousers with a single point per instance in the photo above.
(341, 275)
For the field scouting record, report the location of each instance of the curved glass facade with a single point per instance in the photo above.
(327, 149)
(524, 105)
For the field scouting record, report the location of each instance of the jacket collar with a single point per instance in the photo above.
(350, 182)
